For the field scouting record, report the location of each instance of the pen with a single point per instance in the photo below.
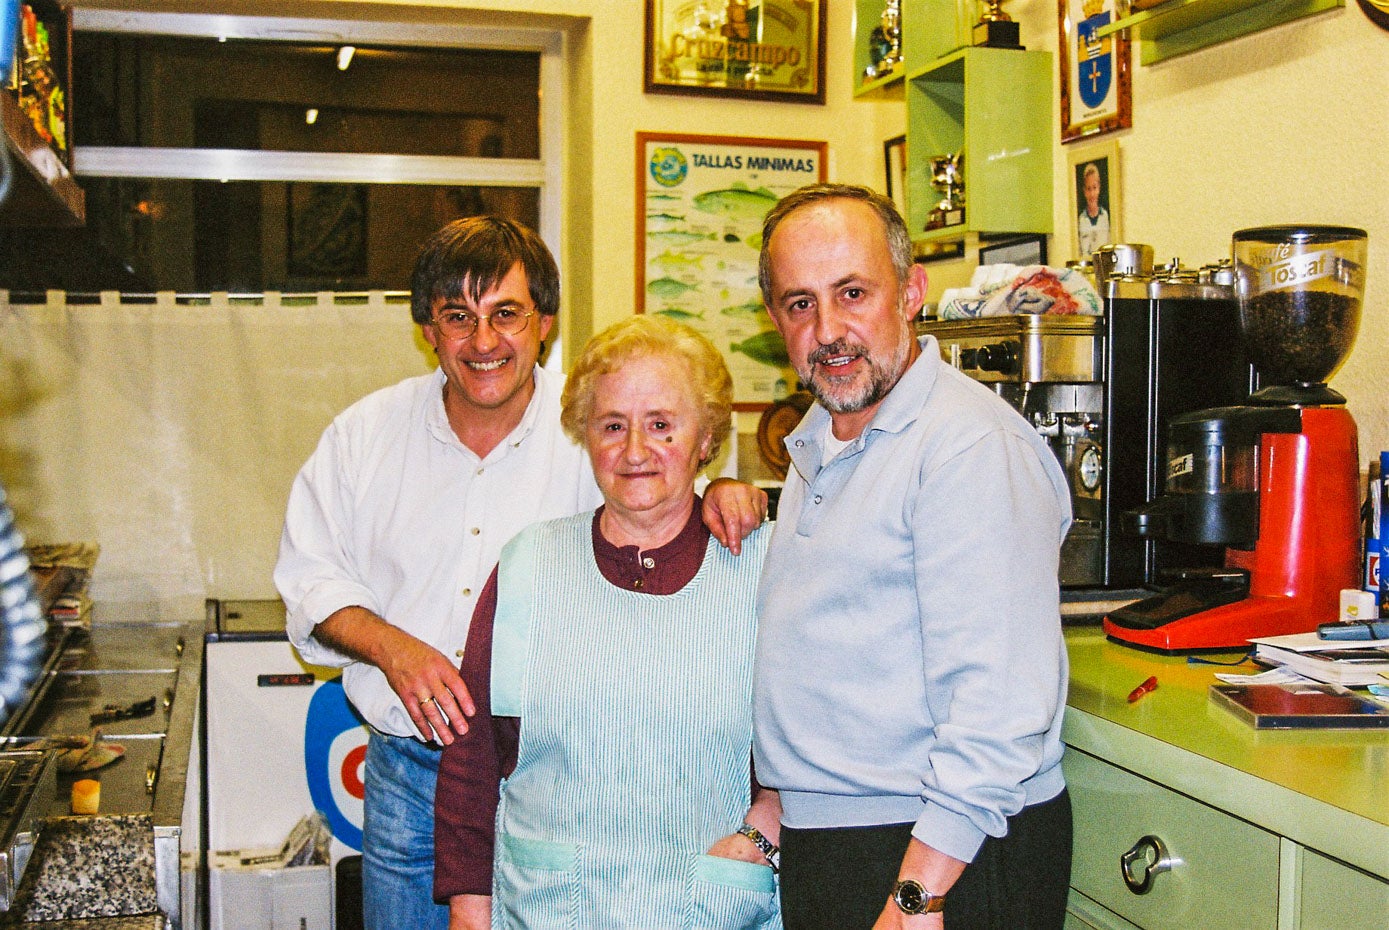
(1149, 684)
(1354, 629)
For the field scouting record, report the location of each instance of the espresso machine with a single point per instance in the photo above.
(1102, 390)
(1275, 479)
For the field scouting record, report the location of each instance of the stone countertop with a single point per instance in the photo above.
(89, 867)
(121, 868)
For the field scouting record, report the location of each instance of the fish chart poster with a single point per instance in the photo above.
(703, 199)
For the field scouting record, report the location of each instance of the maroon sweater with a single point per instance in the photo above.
(472, 767)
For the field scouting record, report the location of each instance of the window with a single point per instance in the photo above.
(249, 154)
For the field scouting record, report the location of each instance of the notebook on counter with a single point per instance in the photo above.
(1304, 705)
(1341, 662)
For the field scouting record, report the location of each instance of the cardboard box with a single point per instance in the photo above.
(252, 897)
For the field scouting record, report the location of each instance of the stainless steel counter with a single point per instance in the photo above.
(143, 794)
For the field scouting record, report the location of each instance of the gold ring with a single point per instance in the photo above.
(428, 700)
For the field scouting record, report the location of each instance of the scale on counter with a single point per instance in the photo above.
(28, 791)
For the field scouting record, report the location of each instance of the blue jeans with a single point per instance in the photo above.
(398, 836)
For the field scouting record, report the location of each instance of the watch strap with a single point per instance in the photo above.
(769, 850)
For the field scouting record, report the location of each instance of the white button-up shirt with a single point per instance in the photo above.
(393, 513)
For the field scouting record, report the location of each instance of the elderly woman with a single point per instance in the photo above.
(610, 658)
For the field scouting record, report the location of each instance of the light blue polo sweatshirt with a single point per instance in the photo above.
(910, 665)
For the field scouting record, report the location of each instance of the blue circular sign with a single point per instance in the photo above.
(335, 746)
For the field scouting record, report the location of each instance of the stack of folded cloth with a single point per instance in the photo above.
(1003, 290)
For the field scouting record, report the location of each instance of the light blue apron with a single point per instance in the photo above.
(636, 730)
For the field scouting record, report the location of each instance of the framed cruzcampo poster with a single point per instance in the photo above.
(1096, 96)
(699, 234)
(754, 49)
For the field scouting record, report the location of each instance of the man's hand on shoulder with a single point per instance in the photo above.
(426, 681)
(732, 510)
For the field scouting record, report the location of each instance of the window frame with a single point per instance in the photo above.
(544, 173)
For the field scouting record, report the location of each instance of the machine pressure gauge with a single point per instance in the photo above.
(1088, 468)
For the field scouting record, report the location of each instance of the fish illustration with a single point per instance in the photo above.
(751, 308)
(736, 202)
(678, 236)
(663, 219)
(766, 347)
(668, 288)
(673, 261)
(682, 316)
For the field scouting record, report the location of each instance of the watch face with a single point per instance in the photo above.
(910, 897)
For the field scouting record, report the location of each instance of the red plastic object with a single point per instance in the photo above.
(1308, 547)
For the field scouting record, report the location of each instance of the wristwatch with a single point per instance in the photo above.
(911, 898)
(770, 851)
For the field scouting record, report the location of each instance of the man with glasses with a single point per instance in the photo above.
(397, 518)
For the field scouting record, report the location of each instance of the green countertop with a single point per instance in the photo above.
(1326, 789)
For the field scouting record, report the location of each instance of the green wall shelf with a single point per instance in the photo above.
(930, 29)
(994, 105)
(1181, 26)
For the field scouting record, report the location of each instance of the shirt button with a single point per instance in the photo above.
(481, 470)
(818, 498)
(475, 530)
(648, 562)
(637, 583)
(458, 653)
(800, 443)
(467, 592)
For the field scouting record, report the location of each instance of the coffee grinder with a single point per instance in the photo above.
(1274, 480)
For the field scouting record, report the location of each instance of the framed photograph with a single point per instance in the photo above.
(938, 250)
(699, 233)
(895, 163)
(1096, 96)
(1019, 250)
(755, 49)
(1094, 186)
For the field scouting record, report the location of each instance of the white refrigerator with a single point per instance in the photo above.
(281, 742)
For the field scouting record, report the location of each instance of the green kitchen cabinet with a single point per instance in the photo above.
(994, 106)
(1285, 830)
(1337, 897)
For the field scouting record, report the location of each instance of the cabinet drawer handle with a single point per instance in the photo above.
(1144, 860)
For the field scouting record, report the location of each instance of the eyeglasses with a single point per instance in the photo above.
(460, 324)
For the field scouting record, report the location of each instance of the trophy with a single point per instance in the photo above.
(885, 43)
(947, 176)
(996, 29)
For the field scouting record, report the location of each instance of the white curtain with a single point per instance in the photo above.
(169, 432)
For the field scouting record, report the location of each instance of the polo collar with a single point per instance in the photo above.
(899, 409)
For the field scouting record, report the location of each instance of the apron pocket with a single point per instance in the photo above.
(729, 894)
(536, 884)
